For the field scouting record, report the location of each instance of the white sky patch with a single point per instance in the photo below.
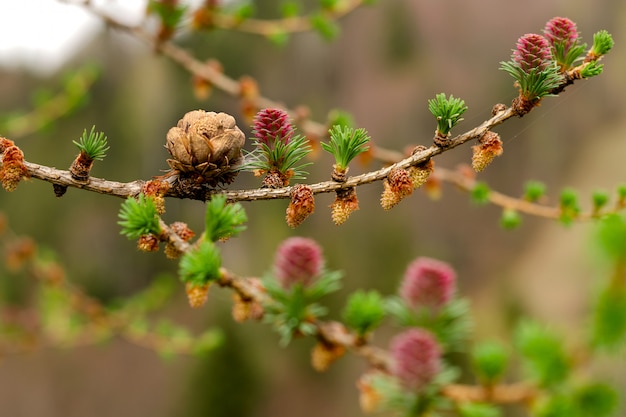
(41, 35)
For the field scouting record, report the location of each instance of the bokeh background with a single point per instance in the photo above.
(387, 62)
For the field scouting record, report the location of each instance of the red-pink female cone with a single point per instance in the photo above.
(428, 283)
(272, 125)
(298, 260)
(532, 51)
(416, 358)
(561, 30)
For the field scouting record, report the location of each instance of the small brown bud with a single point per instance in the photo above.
(498, 108)
(156, 189)
(197, 295)
(345, 203)
(148, 243)
(339, 175)
(489, 146)
(184, 232)
(59, 190)
(81, 167)
(276, 179)
(397, 186)
(324, 354)
(521, 105)
(441, 140)
(246, 309)
(302, 204)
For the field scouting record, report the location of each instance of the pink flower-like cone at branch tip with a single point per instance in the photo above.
(561, 30)
(532, 52)
(416, 358)
(298, 260)
(271, 125)
(428, 283)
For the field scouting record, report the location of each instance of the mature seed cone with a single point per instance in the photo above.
(489, 146)
(301, 205)
(206, 145)
(197, 294)
(324, 354)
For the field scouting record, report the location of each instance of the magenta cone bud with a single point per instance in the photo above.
(298, 260)
(561, 30)
(533, 51)
(416, 358)
(271, 125)
(428, 282)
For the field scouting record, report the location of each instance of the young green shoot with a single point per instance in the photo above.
(139, 217)
(447, 111)
(223, 220)
(93, 145)
(345, 144)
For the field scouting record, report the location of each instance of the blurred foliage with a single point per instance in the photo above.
(136, 100)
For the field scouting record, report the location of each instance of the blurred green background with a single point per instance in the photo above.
(387, 62)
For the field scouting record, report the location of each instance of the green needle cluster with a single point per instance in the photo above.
(94, 145)
(345, 144)
(447, 111)
(139, 217)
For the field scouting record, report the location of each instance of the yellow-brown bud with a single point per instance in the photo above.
(344, 205)
(324, 354)
(397, 186)
(148, 243)
(246, 309)
(302, 204)
(197, 295)
(489, 146)
(13, 169)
